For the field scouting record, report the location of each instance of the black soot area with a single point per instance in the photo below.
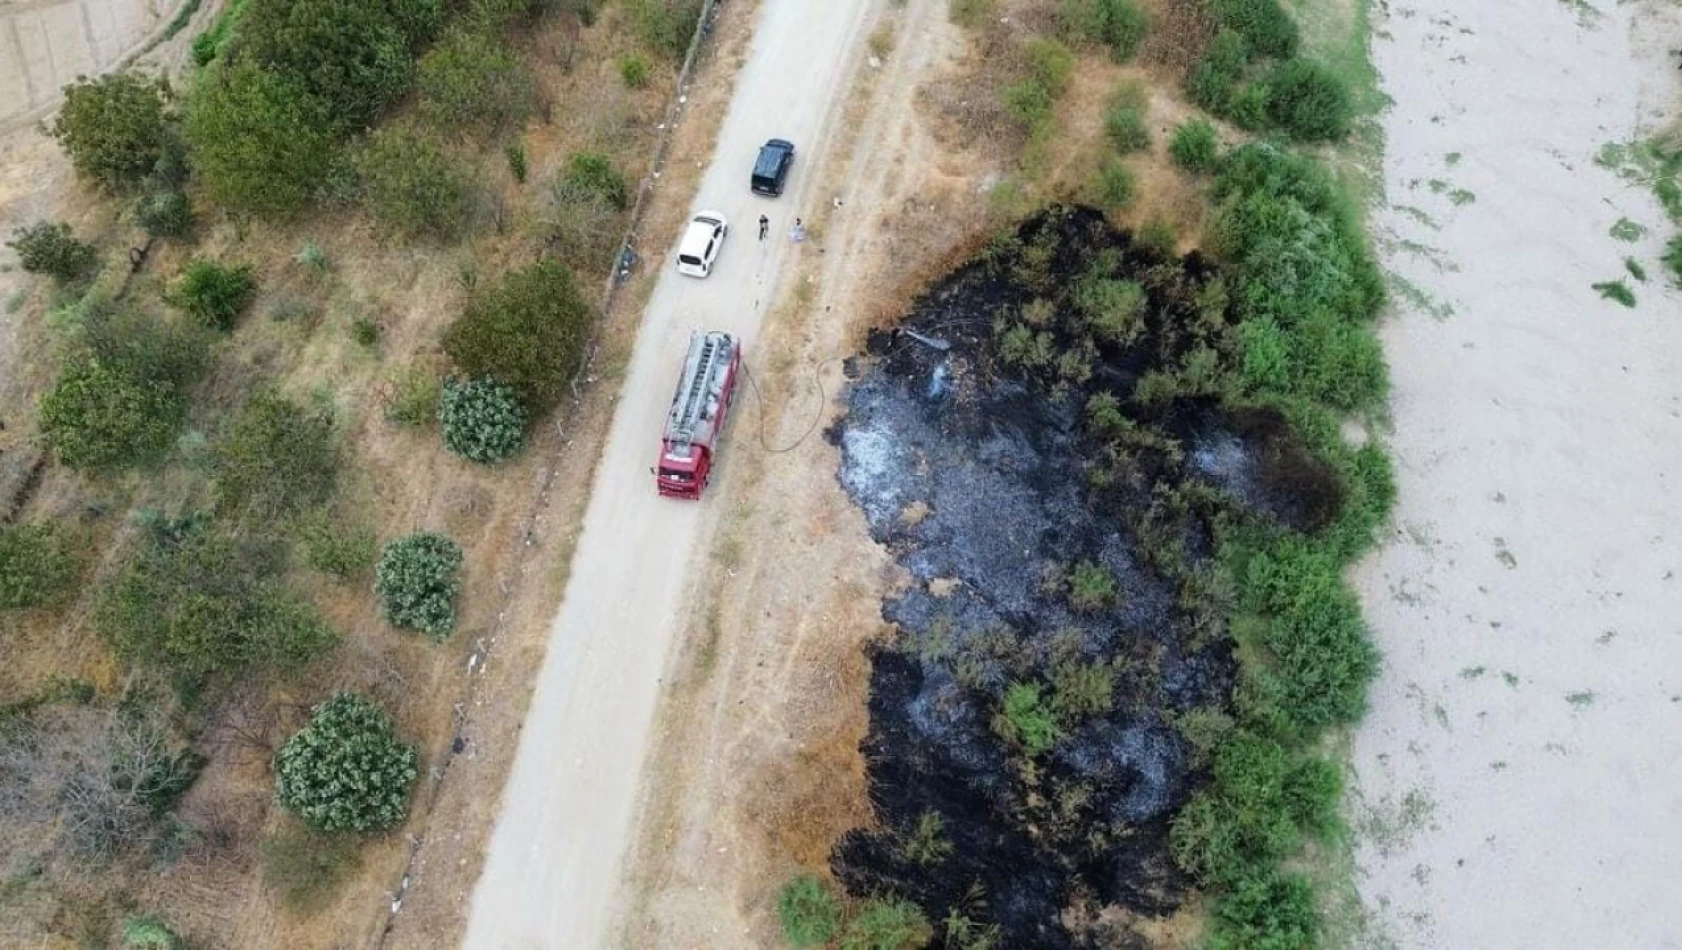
(1022, 755)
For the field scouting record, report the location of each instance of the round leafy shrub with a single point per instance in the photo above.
(114, 128)
(164, 213)
(1211, 82)
(594, 174)
(633, 69)
(887, 924)
(810, 915)
(417, 581)
(482, 420)
(528, 333)
(1264, 24)
(38, 565)
(1195, 146)
(212, 294)
(46, 247)
(1116, 187)
(1119, 24)
(347, 770)
(1126, 128)
(1309, 102)
(99, 418)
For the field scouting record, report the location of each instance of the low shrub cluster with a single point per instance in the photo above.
(39, 565)
(164, 213)
(1120, 25)
(482, 420)
(51, 248)
(1195, 145)
(197, 602)
(1253, 74)
(1031, 99)
(411, 184)
(585, 209)
(278, 459)
(811, 916)
(347, 770)
(417, 581)
(333, 547)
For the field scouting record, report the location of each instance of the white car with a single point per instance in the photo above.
(701, 243)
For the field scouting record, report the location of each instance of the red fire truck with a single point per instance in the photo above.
(699, 408)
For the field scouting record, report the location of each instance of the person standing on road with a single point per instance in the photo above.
(798, 232)
(764, 227)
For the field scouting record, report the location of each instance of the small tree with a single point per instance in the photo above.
(277, 459)
(417, 582)
(46, 247)
(887, 924)
(260, 142)
(213, 294)
(1309, 101)
(38, 565)
(410, 184)
(810, 915)
(471, 85)
(482, 420)
(347, 770)
(115, 127)
(594, 173)
(527, 333)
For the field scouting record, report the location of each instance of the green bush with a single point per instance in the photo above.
(277, 459)
(150, 933)
(1125, 126)
(1309, 102)
(1268, 911)
(1050, 64)
(1119, 24)
(1249, 107)
(306, 866)
(209, 45)
(482, 420)
(39, 565)
(333, 547)
(1091, 587)
(260, 142)
(666, 26)
(594, 175)
(52, 249)
(633, 69)
(1672, 258)
(1264, 24)
(1029, 102)
(197, 603)
(1253, 813)
(212, 294)
(1195, 146)
(516, 155)
(528, 333)
(410, 184)
(417, 582)
(347, 770)
(1313, 631)
(114, 128)
(1113, 311)
(883, 923)
(472, 85)
(810, 914)
(355, 58)
(1026, 720)
(1080, 691)
(1116, 187)
(100, 417)
(1214, 79)
(365, 332)
(164, 213)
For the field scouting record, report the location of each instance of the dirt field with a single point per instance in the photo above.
(1518, 777)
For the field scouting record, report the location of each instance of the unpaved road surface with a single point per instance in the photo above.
(1520, 771)
(45, 44)
(552, 878)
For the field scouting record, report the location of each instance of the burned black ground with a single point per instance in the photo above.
(1008, 483)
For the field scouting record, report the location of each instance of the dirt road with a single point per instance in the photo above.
(552, 876)
(1518, 772)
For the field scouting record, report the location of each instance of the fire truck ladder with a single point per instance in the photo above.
(694, 404)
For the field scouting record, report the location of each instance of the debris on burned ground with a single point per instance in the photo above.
(1067, 457)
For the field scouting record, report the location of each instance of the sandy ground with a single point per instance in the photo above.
(1520, 772)
(45, 44)
(550, 879)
